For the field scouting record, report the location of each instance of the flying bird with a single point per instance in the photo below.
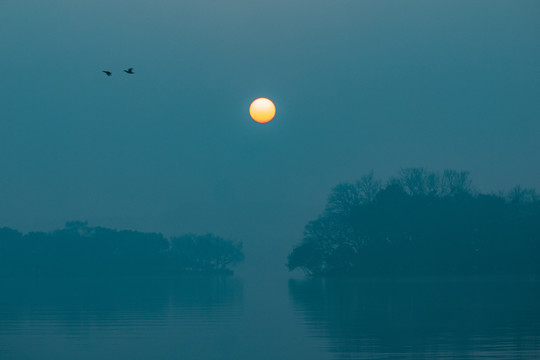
(107, 72)
(129, 71)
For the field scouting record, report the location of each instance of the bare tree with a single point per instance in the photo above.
(455, 182)
(344, 197)
(519, 195)
(414, 181)
(368, 187)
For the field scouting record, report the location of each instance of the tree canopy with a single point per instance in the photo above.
(421, 223)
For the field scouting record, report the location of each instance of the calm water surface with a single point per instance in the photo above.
(268, 318)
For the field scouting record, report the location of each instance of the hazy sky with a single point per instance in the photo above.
(358, 86)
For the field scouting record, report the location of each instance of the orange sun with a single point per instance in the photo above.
(262, 110)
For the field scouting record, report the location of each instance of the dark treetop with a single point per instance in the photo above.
(422, 224)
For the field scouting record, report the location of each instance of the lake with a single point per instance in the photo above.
(206, 317)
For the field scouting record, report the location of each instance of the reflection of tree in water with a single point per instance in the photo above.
(421, 319)
(91, 303)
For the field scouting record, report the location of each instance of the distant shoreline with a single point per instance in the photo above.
(82, 251)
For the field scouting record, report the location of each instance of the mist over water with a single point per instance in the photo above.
(197, 317)
(205, 317)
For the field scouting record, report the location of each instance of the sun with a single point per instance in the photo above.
(262, 110)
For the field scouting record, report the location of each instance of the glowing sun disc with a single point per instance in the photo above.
(262, 110)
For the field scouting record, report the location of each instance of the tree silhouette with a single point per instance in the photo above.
(421, 223)
(80, 250)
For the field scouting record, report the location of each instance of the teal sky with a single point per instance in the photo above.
(358, 86)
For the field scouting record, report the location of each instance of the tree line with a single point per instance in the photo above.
(422, 223)
(81, 250)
